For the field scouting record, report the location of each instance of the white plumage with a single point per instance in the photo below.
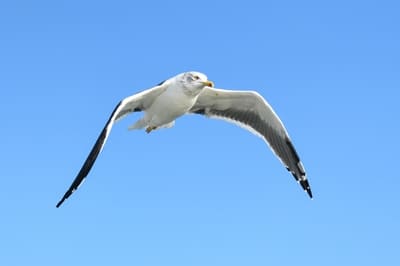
(191, 92)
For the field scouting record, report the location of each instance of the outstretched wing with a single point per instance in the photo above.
(135, 103)
(248, 109)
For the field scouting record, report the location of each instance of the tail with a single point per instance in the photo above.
(138, 125)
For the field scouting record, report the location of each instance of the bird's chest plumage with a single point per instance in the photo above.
(170, 105)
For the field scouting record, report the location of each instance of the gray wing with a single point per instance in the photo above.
(248, 109)
(135, 103)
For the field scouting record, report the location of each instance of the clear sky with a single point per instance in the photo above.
(204, 192)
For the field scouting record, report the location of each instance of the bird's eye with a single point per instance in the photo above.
(195, 77)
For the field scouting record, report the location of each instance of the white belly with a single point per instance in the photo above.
(167, 107)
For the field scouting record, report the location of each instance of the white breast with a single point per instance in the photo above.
(170, 105)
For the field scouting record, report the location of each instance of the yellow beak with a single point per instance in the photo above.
(209, 83)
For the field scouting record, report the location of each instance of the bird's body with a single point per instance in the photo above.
(191, 92)
(169, 105)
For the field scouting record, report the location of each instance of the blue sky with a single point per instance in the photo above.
(204, 192)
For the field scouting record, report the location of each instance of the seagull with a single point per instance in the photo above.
(192, 93)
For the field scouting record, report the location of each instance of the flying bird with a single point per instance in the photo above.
(193, 93)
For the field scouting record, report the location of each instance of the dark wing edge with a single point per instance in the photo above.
(300, 174)
(88, 164)
(135, 103)
(214, 105)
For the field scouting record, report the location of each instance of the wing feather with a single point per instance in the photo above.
(135, 103)
(251, 111)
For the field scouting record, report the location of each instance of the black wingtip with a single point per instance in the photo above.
(309, 193)
(66, 196)
(63, 199)
(304, 184)
(60, 202)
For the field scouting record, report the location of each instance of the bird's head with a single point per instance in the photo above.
(195, 82)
